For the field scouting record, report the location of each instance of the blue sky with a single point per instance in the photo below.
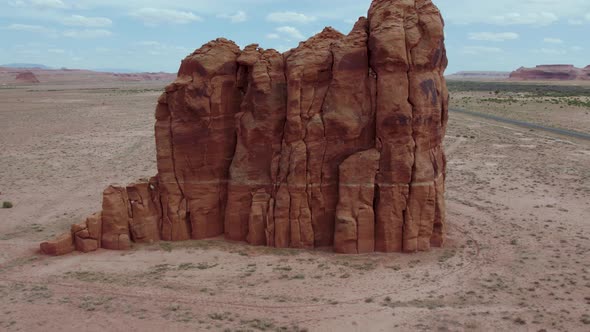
(154, 35)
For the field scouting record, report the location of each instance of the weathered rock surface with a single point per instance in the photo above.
(62, 245)
(337, 142)
(355, 215)
(551, 73)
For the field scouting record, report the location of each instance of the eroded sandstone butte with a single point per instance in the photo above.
(26, 77)
(337, 142)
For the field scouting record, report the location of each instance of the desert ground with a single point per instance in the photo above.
(517, 255)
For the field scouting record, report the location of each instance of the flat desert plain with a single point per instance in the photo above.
(517, 255)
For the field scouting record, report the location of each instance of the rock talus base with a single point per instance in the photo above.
(337, 142)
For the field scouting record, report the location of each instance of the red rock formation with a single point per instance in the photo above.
(337, 142)
(27, 77)
(551, 73)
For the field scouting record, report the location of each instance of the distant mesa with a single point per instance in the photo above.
(27, 77)
(559, 72)
(24, 75)
(25, 66)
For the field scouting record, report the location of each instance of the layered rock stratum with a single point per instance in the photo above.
(336, 143)
(551, 73)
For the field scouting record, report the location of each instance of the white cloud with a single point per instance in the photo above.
(588, 16)
(149, 43)
(238, 17)
(503, 12)
(154, 16)
(553, 41)
(27, 28)
(480, 50)
(291, 32)
(89, 22)
(577, 48)
(87, 33)
(55, 4)
(273, 36)
(575, 21)
(36, 29)
(491, 36)
(56, 51)
(551, 51)
(525, 19)
(156, 48)
(290, 17)
(41, 4)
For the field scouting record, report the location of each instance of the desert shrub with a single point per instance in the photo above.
(7, 205)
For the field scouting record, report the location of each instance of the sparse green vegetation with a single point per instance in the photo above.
(447, 254)
(268, 325)
(519, 321)
(89, 303)
(200, 266)
(7, 205)
(166, 246)
(219, 316)
(536, 90)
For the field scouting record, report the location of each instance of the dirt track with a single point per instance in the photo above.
(558, 131)
(516, 258)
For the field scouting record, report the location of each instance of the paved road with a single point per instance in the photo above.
(559, 131)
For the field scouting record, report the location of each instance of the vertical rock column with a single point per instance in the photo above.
(349, 119)
(144, 201)
(355, 217)
(389, 60)
(407, 53)
(202, 104)
(424, 222)
(174, 224)
(254, 167)
(116, 215)
(308, 73)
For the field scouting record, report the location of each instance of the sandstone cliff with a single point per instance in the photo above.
(337, 142)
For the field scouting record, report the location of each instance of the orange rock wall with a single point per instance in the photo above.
(336, 143)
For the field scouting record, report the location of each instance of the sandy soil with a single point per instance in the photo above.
(566, 111)
(517, 256)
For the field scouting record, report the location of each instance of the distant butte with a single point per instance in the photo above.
(336, 143)
(27, 77)
(551, 73)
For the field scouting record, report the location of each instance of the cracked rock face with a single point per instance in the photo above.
(336, 143)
